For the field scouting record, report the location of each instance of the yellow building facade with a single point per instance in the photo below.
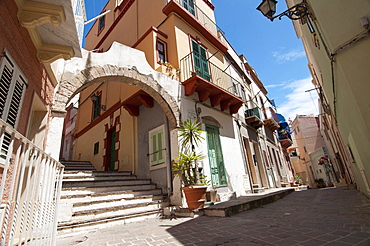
(336, 39)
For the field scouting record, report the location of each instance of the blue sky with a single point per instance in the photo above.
(271, 48)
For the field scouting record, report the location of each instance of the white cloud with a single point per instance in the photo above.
(292, 55)
(298, 101)
(276, 85)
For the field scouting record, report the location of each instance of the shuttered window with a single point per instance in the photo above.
(12, 88)
(157, 151)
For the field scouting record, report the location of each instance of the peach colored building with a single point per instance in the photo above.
(131, 124)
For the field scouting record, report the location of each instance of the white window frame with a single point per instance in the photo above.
(164, 141)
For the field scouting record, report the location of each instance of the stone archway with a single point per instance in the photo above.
(120, 64)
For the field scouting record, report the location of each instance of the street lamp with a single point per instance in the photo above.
(268, 9)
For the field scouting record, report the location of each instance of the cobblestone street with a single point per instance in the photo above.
(333, 216)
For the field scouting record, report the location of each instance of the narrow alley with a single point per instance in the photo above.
(332, 216)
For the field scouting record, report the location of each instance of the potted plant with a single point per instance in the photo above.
(186, 165)
(320, 183)
(298, 179)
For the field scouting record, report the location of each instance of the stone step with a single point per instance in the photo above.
(241, 204)
(85, 225)
(88, 204)
(77, 165)
(259, 190)
(74, 196)
(97, 178)
(83, 173)
(106, 182)
(100, 189)
(118, 210)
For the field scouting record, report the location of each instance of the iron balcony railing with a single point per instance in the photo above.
(253, 112)
(284, 134)
(203, 18)
(30, 188)
(211, 73)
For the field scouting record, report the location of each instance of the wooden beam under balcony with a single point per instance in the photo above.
(271, 124)
(133, 103)
(207, 90)
(286, 143)
(254, 121)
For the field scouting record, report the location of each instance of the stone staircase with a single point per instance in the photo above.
(92, 198)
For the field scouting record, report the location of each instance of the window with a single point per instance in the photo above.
(101, 23)
(12, 88)
(200, 61)
(96, 106)
(96, 148)
(189, 6)
(161, 51)
(156, 146)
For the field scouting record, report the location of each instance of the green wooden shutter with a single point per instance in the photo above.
(189, 6)
(200, 61)
(157, 148)
(216, 162)
(96, 107)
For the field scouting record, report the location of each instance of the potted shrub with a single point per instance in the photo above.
(186, 165)
(298, 180)
(320, 183)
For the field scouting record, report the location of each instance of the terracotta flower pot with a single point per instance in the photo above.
(195, 196)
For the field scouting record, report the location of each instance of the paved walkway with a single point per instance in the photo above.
(334, 216)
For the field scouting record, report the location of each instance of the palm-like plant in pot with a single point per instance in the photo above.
(186, 165)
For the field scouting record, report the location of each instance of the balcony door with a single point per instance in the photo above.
(189, 5)
(216, 160)
(200, 61)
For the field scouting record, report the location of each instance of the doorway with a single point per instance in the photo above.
(216, 161)
(111, 150)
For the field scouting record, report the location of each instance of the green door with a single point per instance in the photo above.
(216, 160)
(200, 61)
(112, 155)
(189, 5)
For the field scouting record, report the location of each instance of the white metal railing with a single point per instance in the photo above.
(30, 189)
(204, 19)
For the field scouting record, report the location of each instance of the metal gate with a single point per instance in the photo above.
(30, 191)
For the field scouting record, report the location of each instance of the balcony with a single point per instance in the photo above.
(199, 20)
(253, 117)
(284, 138)
(271, 121)
(211, 83)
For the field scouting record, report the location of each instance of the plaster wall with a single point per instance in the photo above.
(348, 92)
(149, 119)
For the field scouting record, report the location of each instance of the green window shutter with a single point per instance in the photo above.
(157, 155)
(200, 61)
(189, 6)
(96, 107)
(154, 149)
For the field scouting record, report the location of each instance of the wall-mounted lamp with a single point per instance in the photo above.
(96, 99)
(268, 9)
